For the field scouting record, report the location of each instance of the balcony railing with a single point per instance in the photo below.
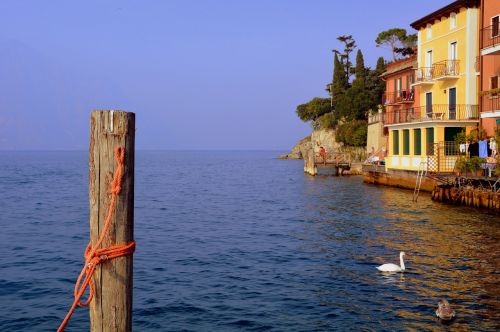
(377, 117)
(423, 75)
(440, 70)
(490, 36)
(444, 112)
(399, 97)
(445, 68)
(491, 102)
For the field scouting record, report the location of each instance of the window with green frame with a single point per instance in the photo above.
(406, 142)
(395, 142)
(417, 142)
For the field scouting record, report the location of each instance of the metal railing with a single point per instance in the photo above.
(398, 97)
(490, 36)
(446, 68)
(435, 112)
(491, 102)
(402, 116)
(423, 74)
(441, 69)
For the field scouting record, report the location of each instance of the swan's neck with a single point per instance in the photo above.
(402, 262)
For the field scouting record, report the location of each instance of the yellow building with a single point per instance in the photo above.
(447, 78)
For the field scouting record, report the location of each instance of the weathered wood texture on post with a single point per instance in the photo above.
(111, 308)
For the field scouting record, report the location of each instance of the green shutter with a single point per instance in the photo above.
(395, 142)
(406, 142)
(417, 142)
(430, 141)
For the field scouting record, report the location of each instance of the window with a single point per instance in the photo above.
(428, 59)
(429, 31)
(453, 21)
(495, 26)
(453, 51)
(494, 85)
(395, 142)
(494, 82)
(406, 142)
(417, 141)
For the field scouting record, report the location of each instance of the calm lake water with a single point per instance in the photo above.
(243, 241)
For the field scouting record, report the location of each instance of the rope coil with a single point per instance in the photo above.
(94, 255)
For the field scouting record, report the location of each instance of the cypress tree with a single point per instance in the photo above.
(359, 71)
(340, 82)
(380, 65)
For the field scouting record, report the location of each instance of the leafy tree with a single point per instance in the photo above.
(397, 40)
(354, 104)
(313, 109)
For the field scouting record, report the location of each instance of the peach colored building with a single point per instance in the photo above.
(401, 99)
(489, 66)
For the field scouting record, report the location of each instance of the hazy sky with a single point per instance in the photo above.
(198, 74)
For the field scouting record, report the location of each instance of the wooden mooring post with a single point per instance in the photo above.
(111, 308)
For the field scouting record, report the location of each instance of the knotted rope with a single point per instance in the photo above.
(95, 255)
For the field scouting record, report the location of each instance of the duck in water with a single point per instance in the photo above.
(444, 311)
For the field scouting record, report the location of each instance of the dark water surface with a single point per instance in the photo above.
(242, 241)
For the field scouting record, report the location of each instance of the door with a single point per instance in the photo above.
(428, 104)
(452, 104)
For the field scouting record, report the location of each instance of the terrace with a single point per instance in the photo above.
(442, 70)
(399, 97)
(490, 38)
(490, 103)
(446, 69)
(443, 112)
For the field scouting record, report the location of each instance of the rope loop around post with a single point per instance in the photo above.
(94, 255)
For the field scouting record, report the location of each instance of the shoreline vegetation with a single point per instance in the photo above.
(339, 121)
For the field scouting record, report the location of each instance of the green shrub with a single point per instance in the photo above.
(326, 121)
(352, 133)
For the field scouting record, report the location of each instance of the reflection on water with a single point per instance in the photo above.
(451, 253)
(242, 241)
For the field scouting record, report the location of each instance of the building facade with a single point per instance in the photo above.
(489, 62)
(448, 96)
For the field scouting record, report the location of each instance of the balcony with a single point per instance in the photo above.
(399, 97)
(490, 37)
(442, 70)
(490, 103)
(377, 117)
(445, 70)
(444, 112)
(423, 76)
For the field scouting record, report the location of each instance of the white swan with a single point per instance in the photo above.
(393, 267)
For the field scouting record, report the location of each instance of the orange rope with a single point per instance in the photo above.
(95, 255)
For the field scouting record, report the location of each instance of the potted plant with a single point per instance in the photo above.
(461, 165)
(475, 164)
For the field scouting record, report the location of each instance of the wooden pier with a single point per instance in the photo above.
(334, 163)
